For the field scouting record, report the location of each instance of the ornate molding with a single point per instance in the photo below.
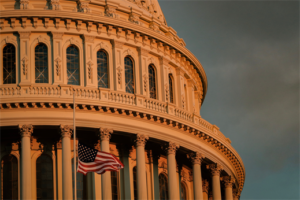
(26, 130)
(141, 140)
(105, 134)
(197, 158)
(84, 6)
(90, 69)
(25, 65)
(58, 66)
(171, 149)
(119, 73)
(215, 169)
(24, 34)
(228, 181)
(66, 131)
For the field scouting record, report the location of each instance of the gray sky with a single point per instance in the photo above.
(250, 52)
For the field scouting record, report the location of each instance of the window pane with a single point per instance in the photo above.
(44, 177)
(171, 89)
(9, 174)
(9, 64)
(129, 78)
(73, 65)
(152, 82)
(102, 69)
(41, 63)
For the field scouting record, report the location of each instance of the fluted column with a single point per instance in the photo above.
(66, 132)
(141, 167)
(105, 135)
(216, 186)
(228, 181)
(172, 177)
(205, 187)
(196, 160)
(25, 131)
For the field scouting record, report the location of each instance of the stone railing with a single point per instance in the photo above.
(103, 95)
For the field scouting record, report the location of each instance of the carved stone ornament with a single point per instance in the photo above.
(66, 131)
(228, 181)
(145, 82)
(24, 22)
(57, 35)
(55, 5)
(134, 18)
(99, 28)
(35, 21)
(110, 11)
(26, 130)
(57, 22)
(141, 140)
(68, 24)
(89, 39)
(154, 26)
(205, 186)
(25, 65)
(89, 26)
(197, 158)
(58, 66)
(24, 4)
(84, 6)
(79, 23)
(215, 169)
(171, 149)
(167, 91)
(46, 21)
(235, 194)
(24, 34)
(183, 101)
(105, 134)
(90, 69)
(119, 73)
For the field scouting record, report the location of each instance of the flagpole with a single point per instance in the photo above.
(74, 145)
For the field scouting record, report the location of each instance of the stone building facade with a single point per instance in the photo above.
(138, 94)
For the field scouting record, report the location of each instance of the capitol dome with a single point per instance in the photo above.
(138, 94)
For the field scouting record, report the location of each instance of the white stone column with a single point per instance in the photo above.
(216, 186)
(196, 160)
(105, 135)
(66, 132)
(228, 182)
(141, 166)
(205, 187)
(25, 131)
(172, 175)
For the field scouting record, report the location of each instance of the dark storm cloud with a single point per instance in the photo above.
(250, 52)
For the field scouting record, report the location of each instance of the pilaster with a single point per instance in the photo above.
(164, 79)
(90, 67)
(58, 72)
(180, 96)
(118, 66)
(143, 75)
(24, 57)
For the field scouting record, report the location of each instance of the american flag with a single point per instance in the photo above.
(92, 160)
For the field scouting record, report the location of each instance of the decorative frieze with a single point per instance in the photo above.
(66, 131)
(172, 148)
(26, 130)
(141, 140)
(215, 169)
(105, 134)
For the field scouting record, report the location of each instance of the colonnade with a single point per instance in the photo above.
(200, 187)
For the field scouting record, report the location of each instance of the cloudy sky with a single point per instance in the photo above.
(250, 52)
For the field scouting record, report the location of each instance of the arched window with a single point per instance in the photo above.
(44, 177)
(129, 75)
(9, 64)
(41, 63)
(81, 183)
(9, 174)
(102, 69)
(73, 65)
(114, 185)
(183, 192)
(171, 95)
(134, 183)
(163, 187)
(152, 81)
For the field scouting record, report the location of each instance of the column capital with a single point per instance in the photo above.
(105, 133)
(141, 140)
(235, 193)
(228, 181)
(215, 169)
(205, 186)
(171, 149)
(26, 130)
(197, 158)
(66, 131)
